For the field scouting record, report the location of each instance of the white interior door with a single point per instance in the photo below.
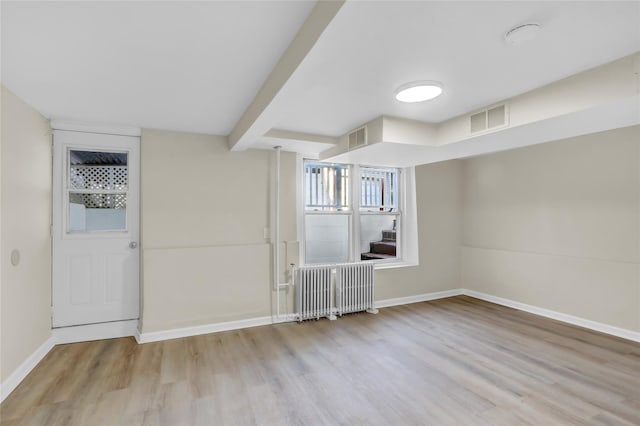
(95, 228)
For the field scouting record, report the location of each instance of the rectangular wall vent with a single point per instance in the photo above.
(358, 138)
(488, 119)
(478, 122)
(496, 117)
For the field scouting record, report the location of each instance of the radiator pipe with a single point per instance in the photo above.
(276, 248)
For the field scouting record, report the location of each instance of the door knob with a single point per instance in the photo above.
(133, 244)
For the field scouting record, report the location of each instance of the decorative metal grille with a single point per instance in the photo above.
(378, 188)
(326, 186)
(99, 201)
(98, 177)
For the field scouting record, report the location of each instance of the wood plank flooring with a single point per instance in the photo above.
(455, 361)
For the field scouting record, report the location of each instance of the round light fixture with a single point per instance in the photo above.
(522, 33)
(418, 91)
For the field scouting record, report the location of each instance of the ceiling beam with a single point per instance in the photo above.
(254, 123)
(300, 136)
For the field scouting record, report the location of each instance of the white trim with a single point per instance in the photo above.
(410, 250)
(85, 333)
(285, 318)
(355, 225)
(392, 264)
(78, 126)
(300, 208)
(559, 316)
(25, 368)
(137, 336)
(65, 244)
(418, 298)
(156, 336)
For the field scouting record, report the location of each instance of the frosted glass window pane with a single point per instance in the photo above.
(326, 239)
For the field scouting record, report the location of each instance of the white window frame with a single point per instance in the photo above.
(407, 249)
(358, 212)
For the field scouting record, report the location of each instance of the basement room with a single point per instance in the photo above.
(320, 212)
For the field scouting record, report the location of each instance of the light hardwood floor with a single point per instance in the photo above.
(455, 361)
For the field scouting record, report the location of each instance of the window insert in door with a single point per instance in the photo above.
(97, 190)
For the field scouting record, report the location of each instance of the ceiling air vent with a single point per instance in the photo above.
(358, 138)
(488, 119)
(478, 122)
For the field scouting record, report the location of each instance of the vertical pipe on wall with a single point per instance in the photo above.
(276, 244)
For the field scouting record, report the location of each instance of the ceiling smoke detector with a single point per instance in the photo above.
(522, 33)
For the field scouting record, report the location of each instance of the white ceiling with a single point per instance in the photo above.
(371, 48)
(188, 66)
(197, 66)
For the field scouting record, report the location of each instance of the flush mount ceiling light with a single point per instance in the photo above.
(418, 91)
(522, 33)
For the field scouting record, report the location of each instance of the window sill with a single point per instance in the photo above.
(376, 265)
(394, 265)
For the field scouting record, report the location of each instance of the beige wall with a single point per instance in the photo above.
(557, 226)
(25, 289)
(204, 210)
(195, 192)
(438, 196)
(204, 214)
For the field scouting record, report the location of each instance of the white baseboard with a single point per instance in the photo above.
(177, 333)
(570, 319)
(385, 303)
(25, 368)
(85, 333)
(285, 318)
